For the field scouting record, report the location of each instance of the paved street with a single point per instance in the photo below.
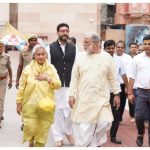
(11, 134)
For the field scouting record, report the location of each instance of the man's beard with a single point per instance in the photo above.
(89, 51)
(64, 38)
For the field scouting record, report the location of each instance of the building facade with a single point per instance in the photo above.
(42, 19)
(108, 20)
(132, 13)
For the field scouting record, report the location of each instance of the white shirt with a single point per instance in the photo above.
(140, 70)
(48, 53)
(120, 69)
(63, 47)
(126, 59)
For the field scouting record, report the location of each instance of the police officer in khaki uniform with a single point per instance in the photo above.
(25, 56)
(5, 71)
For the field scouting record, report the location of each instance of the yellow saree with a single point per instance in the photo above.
(30, 93)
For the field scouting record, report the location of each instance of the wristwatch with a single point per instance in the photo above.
(118, 94)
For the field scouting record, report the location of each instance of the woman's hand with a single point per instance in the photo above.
(19, 108)
(42, 77)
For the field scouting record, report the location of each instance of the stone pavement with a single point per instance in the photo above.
(11, 134)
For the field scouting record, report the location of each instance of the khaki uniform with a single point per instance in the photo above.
(27, 57)
(4, 65)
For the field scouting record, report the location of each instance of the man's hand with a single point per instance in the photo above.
(117, 102)
(19, 108)
(131, 97)
(126, 90)
(71, 101)
(9, 84)
(17, 84)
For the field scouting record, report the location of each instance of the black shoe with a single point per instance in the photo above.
(139, 141)
(116, 141)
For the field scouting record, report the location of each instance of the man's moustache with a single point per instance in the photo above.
(64, 38)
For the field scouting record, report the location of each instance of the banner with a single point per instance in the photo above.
(135, 34)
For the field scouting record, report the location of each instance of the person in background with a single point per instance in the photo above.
(5, 71)
(140, 48)
(62, 56)
(110, 46)
(92, 74)
(140, 73)
(72, 40)
(37, 83)
(126, 59)
(25, 56)
(133, 50)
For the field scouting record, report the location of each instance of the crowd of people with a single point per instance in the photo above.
(79, 95)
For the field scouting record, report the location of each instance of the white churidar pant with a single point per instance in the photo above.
(90, 135)
(62, 120)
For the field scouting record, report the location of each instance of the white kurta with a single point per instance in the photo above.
(91, 76)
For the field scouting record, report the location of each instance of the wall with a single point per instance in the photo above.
(4, 14)
(43, 19)
(114, 34)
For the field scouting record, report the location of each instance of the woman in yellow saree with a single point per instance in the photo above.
(35, 97)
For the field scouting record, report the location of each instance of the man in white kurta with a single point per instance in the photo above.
(92, 73)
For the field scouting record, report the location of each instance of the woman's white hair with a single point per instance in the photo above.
(36, 48)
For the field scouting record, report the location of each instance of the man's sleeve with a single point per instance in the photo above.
(132, 69)
(122, 69)
(74, 79)
(48, 53)
(113, 78)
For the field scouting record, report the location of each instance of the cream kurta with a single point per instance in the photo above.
(91, 76)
